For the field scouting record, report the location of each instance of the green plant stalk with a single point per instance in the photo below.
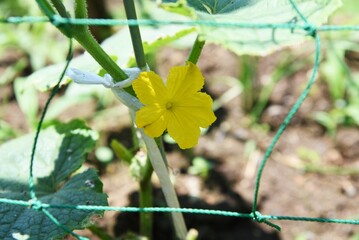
(60, 8)
(135, 35)
(145, 192)
(159, 142)
(196, 50)
(84, 37)
(193, 57)
(145, 189)
(167, 187)
(146, 200)
(88, 42)
(157, 162)
(46, 7)
(157, 158)
(80, 9)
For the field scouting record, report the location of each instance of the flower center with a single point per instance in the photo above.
(169, 105)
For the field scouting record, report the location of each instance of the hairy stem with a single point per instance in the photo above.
(157, 162)
(83, 36)
(88, 42)
(80, 9)
(157, 157)
(167, 187)
(60, 8)
(135, 34)
(146, 218)
(196, 50)
(146, 200)
(46, 8)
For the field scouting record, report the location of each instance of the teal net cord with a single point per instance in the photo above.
(58, 20)
(34, 203)
(311, 29)
(255, 215)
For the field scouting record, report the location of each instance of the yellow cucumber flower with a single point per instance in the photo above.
(177, 106)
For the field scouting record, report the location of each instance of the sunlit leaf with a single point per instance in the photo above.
(61, 151)
(252, 40)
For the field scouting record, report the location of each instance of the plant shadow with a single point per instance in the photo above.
(209, 227)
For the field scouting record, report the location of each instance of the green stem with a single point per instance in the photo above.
(88, 42)
(84, 37)
(158, 164)
(159, 142)
(146, 200)
(166, 184)
(46, 8)
(196, 50)
(91, 45)
(60, 8)
(135, 34)
(170, 195)
(80, 9)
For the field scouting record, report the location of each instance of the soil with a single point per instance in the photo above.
(288, 187)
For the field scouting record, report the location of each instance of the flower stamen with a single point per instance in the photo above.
(169, 105)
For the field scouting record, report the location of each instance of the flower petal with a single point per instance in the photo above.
(149, 88)
(183, 80)
(198, 108)
(182, 130)
(148, 114)
(156, 128)
(153, 119)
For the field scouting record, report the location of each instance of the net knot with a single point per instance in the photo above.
(257, 216)
(311, 29)
(35, 204)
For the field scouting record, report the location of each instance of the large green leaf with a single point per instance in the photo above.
(251, 40)
(61, 151)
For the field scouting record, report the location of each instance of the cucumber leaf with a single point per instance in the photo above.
(61, 151)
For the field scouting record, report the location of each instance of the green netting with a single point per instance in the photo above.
(255, 215)
(58, 20)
